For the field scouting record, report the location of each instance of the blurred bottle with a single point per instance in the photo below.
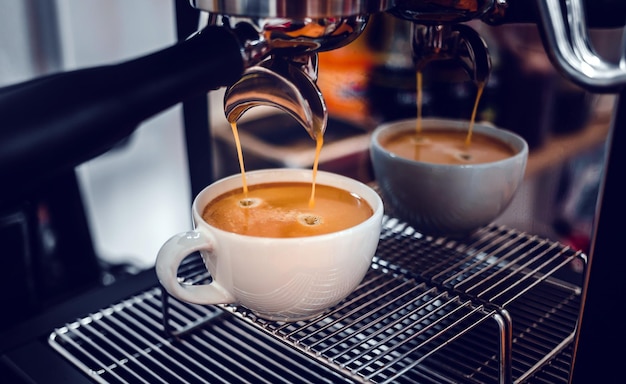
(392, 87)
(343, 77)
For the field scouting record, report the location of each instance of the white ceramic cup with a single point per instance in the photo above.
(442, 199)
(282, 279)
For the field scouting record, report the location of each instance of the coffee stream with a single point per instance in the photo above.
(246, 202)
(319, 142)
(420, 140)
(479, 93)
(233, 125)
(419, 106)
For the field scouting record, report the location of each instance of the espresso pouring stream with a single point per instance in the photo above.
(419, 139)
(319, 142)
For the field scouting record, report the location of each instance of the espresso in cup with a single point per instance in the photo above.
(285, 210)
(445, 146)
(456, 190)
(277, 276)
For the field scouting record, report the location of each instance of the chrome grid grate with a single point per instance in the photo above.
(486, 309)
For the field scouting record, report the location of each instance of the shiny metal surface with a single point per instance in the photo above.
(456, 42)
(568, 43)
(443, 11)
(565, 34)
(286, 76)
(299, 9)
(279, 83)
(262, 36)
(486, 309)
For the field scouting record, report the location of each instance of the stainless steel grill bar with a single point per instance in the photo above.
(414, 327)
(145, 355)
(424, 343)
(377, 283)
(371, 314)
(545, 360)
(79, 354)
(537, 277)
(229, 332)
(169, 351)
(128, 336)
(491, 268)
(476, 262)
(486, 309)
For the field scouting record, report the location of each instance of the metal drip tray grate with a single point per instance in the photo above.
(498, 307)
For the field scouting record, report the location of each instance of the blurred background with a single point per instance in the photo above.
(131, 199)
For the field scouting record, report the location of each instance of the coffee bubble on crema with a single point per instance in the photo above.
(250, 202)
(420, 140)
(463, 156)
(309, 219)
(306, 219)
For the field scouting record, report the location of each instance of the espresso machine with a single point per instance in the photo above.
(265, 53)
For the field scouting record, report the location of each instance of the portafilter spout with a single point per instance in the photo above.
(457, 42)
(563, 25)
(439, 33)
(281, 83)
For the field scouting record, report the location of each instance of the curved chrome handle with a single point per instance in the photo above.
(474, 54)
(457, 42)
(281, 84)
(568, 44)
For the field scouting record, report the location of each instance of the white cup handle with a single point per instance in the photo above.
(169, 258)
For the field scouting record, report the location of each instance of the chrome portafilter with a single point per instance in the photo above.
(278, 82)
(281, 56)
(456, 42)
(439, 33)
